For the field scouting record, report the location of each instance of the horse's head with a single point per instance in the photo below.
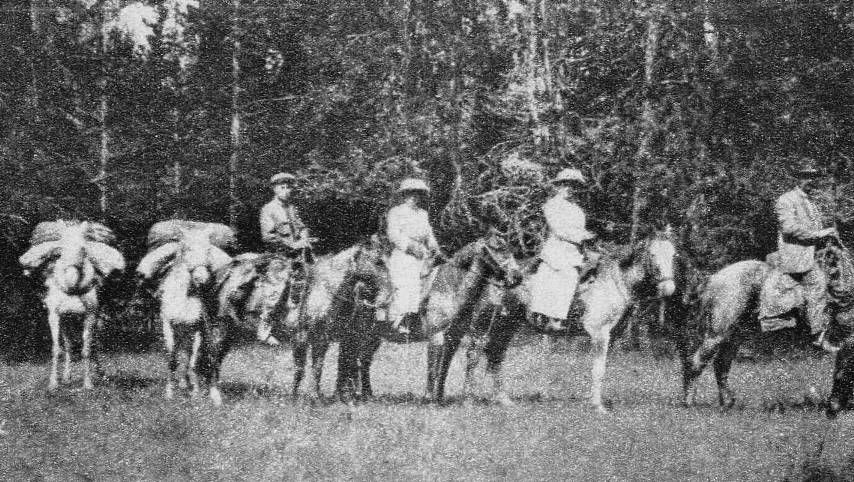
(72, 269)
(498, 258)
(200, 258)
(369, 265)
(659, 259)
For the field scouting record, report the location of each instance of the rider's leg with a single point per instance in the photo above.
(814, 283)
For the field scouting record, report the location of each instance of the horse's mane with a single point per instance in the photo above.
(464, 257)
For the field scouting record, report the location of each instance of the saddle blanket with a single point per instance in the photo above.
(780, 297)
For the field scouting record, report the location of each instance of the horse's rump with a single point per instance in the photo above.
(253, 285)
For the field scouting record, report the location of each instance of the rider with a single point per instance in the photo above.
(414, 245)
(283, 231)
(553, 286)
(800, 231)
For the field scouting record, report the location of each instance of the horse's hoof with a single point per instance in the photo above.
(168, 394)
(87, 385)
(216, 397)
(504, 400)
(602, 409)
(727, 401)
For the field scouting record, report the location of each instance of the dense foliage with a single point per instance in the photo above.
(683, 112)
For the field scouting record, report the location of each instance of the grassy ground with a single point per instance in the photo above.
(124, 429)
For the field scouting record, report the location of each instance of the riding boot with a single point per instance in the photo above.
(554, 325)
(824, 343)
(401, 325)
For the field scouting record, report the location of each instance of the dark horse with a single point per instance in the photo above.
(446, 313)
(727, 313)
(622, 278)
(344, 290)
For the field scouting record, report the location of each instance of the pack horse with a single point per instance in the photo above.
(183, 260)
(75, 259)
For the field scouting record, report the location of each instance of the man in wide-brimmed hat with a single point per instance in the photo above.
(553, 286)
(800, 231)
(414, 244)
(281, 227)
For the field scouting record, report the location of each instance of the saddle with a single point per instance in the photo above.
(780, 298)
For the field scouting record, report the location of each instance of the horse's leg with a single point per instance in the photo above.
(434, 358)
(446, 355)
(345, 384)
(86, 351)
(215, 350)
(53, 322)
(495, 350)
(365, 359)
(319, 346)
(193, 364)
(171, 356)
(473, 352)
(726, 354)
(843, 381)
(300, 352)
(66, 348)
(600, 338)
(693, 366)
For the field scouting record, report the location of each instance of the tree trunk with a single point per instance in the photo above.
(648, 120)
(233, 162)
(103, 110)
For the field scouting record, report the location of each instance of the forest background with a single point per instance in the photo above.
(687, 112)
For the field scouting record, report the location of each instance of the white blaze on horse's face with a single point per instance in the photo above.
(663, 253)
(71, 264)
(195, 256)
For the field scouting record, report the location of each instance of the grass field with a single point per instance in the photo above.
(124, 429)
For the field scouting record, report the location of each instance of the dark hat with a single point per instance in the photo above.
(282, 178)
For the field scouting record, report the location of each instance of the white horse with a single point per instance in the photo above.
(74, 263)
(621, 280)
(185, 269)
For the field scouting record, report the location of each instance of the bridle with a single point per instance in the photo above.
(502, 264)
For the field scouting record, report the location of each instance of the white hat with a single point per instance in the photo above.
(569, 174)
(413, 184)
(282, 178)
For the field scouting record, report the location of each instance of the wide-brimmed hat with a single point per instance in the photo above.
(806, 168)
(282, 178)
(412, 184)
(569, 175)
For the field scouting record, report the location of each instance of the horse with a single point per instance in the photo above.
(728, 312)
(620, 280)
(185, 268)
(445, 316)
(342, 287)
(75, 262)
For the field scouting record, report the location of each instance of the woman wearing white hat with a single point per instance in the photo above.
(553, 286)
(408, 228)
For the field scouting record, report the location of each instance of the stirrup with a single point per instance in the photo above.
(823, 343)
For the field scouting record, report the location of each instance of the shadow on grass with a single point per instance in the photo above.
(815, 468)
(126, 381)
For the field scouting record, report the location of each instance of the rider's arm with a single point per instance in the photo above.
(394, 230)
(268, 223)
(432, 244)
(791, 225)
